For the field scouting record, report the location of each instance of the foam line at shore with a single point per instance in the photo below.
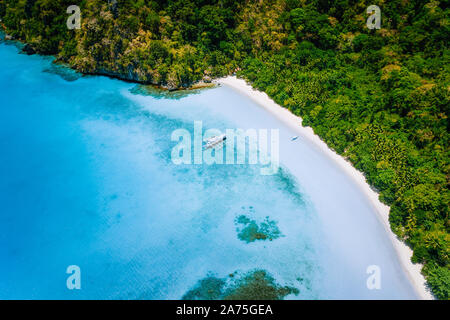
(413, 271)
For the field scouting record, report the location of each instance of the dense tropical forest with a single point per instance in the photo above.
(379, 97)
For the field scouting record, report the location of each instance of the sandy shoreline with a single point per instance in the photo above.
(404, 252)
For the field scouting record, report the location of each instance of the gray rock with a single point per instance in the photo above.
(28, 49)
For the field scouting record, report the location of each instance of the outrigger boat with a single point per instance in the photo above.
(214, 141)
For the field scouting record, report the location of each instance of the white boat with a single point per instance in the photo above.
(214, 141)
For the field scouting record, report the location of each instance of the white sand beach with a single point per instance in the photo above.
(404, 253)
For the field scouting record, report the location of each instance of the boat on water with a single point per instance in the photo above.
(214, 141)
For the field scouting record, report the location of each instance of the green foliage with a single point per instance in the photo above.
(378, 97)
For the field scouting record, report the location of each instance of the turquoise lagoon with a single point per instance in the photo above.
(86, 179)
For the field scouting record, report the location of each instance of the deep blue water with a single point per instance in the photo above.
(86, 179)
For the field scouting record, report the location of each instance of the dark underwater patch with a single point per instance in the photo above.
(161, 93)
(254, 285)
(250, 230)
(63, 71)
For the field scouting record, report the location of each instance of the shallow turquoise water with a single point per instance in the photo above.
(86, 179)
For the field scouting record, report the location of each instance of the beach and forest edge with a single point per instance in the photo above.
(224, 150)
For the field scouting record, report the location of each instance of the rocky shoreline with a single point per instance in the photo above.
(130, 76)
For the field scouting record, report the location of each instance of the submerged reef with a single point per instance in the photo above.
(63, 71)
(209, 288)
(254, 285)
(250, 230)
(285, 181)
(163, 93)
